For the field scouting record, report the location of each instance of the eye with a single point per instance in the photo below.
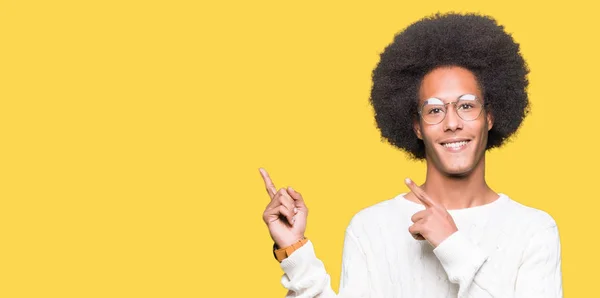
(434, 111)
(466, 106)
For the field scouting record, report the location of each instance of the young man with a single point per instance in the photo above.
(447, 89)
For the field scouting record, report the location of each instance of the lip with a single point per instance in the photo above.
(454, 140)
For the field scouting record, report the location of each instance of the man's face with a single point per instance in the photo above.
(454, 146)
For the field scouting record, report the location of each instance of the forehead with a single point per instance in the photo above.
(448, 84)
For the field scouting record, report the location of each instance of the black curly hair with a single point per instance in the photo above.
(471, 41)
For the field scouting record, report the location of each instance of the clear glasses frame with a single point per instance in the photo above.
(456, 108)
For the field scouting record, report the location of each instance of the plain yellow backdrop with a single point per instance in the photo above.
(132, 133)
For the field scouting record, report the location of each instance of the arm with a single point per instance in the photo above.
(305, 274)
(539, 274)
(465, 263)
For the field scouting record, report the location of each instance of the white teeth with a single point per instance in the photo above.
(455, 144)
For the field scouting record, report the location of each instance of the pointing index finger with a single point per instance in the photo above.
(268, 183)
(419, 193)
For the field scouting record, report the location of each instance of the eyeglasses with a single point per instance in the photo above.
(468, 107)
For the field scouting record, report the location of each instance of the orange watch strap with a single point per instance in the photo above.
(282, 253)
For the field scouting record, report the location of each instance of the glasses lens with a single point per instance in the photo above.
(468, 110)
(433, 113)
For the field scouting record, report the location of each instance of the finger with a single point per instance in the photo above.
(299, 200)
(281, 211)
(415, 231)
(277, 213)
(418, 237)
(419, 193)
(419, 215)
(286, 200)
(282, 198)
(268, 183)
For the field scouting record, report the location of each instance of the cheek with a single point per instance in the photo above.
(430, 132)
(482, 130)
(428, 140)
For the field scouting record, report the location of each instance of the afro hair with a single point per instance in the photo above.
(471, 41)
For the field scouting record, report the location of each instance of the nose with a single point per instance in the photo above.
(452, 122)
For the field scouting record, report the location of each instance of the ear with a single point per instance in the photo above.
(490, 120)
(417, 129)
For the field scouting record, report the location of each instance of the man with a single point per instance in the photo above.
(447, 89)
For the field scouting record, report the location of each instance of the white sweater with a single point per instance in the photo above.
(502, 249)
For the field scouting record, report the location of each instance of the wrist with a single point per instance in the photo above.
(282, 253)
(282, 243)
(435, 243)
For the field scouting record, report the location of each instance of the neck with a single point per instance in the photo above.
(458, 192)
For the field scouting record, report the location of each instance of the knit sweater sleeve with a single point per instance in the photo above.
(539, 274)
(305, 275)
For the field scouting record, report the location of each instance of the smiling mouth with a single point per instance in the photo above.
(454, 146)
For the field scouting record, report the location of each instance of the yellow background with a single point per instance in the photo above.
(132, 133)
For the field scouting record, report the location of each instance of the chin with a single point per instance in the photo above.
(457, 172)
(457, 169)
(457, 165)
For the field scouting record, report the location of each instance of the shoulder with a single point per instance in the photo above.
(380, 211)
(383, 214)
(536, 232)
(529, 218)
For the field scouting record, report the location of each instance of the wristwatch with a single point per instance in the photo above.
(281, 253)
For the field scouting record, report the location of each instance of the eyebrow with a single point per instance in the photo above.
(471, 97)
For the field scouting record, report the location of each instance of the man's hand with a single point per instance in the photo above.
(433, 224)
(286, 213)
